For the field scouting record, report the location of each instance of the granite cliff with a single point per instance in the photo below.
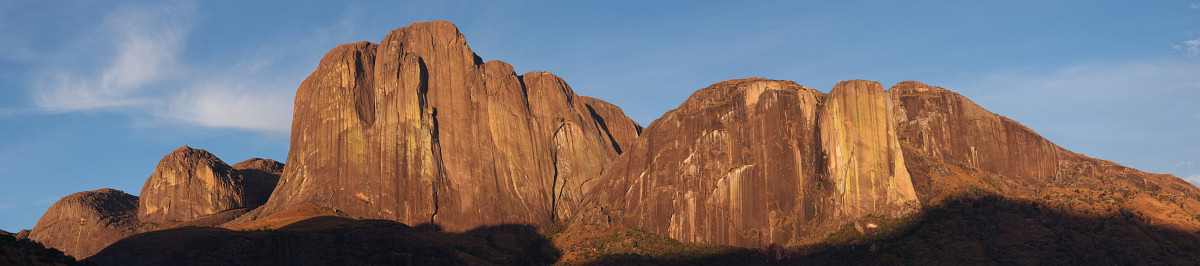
(421, 130)
(755, 162)
(83, 223)
(189, 187)
(952, 147)
(190, 183)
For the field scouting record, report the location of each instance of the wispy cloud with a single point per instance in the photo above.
(146, 42)
(1117, 111)
(234, 104)
(1096, 85)
(28, 203)
(141, 73)
(1194, 6)
(1194, 179)
(1189, 47)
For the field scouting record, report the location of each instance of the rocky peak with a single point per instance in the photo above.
(83, 223)
(420, 129)
(189, 183)
(747, 89)
(260, 164)
(910, 86)
(862, 154)
(260, 176)
(755, 162)
(734, 164)
(957, 147)
(621, 130)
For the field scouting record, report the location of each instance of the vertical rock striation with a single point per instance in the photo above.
(190, 183)
(733, 164)
(419, 129)
(945, 126)
(83, 223)
(863, 157)
(755, 162)
(620, 129)
(957, 147)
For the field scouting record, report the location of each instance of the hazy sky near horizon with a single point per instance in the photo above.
(93, 94)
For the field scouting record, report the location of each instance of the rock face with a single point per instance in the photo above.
(190, 183)
(83, 223)
(755, 162)
(953, 146)
(419, 129)
(260, 176)
(621, 130)
(945, 126)
(863, 157)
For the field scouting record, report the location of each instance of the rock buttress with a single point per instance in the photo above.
(190, 183)
(953, 147)
(83, 223)
(420, 130)
(735, 164)
(861, 153)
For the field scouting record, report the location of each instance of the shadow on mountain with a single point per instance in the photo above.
(328, 240)
(508, 244)
(972, 230)
(15, 251)
(985, 229)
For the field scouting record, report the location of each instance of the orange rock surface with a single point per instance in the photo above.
(83, 223)
(190, 183)
(756, 162)
(419, 129)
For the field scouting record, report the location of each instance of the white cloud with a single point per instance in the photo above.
(146, 43)
(234, 104)
(1095, 86)
(1189, 47)
(150, 46)
(1194, 179)
(140, 73)
(1194, 6)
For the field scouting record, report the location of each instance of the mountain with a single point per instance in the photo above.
(415, 150)
(190, 183)
(755, 162)
(189, 187)
(260, 177)
(83, 223)
(421, 130)
(954, 147)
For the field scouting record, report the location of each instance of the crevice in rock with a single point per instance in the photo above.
(604, 126)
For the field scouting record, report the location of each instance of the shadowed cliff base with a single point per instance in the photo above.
(975, 229)
(14, 251)
(971, 230)
(332, 240)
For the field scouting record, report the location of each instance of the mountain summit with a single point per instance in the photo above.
(416, 150)
(420, 130)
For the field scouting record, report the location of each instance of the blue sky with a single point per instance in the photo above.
(93, 94)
